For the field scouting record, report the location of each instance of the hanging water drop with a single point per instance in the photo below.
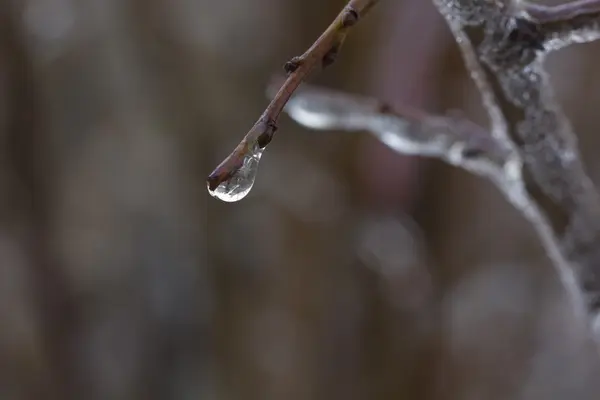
(238, 185)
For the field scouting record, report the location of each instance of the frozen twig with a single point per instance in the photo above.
(323, 52)
(505, 43)
(574, 22)
(451, 138)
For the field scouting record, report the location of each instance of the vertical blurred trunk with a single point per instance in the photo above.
(106, 217)
(26, 225)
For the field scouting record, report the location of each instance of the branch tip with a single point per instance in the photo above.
(324, 51)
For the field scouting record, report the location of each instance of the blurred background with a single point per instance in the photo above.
(350, 272)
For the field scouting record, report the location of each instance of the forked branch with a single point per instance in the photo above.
(531, 152)
(504, 44)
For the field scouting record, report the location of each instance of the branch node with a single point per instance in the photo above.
(350, 17)
(267, 135)
(292, 65)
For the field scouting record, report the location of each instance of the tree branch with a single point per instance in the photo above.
(451, 138)
(531, 152)
(323, 52)
(565, 24)
(506, 50)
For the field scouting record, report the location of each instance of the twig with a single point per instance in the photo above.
(565, 24)
(451, 138)
(323, 51)
(561, 12)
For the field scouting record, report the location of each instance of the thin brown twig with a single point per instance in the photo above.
(324, 51)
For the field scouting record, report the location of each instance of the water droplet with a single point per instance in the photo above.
(240, 183)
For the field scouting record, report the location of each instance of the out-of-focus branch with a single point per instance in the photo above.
(451, 138)
(504, 48)
(562, 12)
(323, 51)
(561, 25)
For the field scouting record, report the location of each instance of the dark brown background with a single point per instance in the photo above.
(349, 272)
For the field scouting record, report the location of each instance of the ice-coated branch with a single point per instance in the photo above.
(565, 24)
(451, 138)
(234, 177)
(504, 45)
